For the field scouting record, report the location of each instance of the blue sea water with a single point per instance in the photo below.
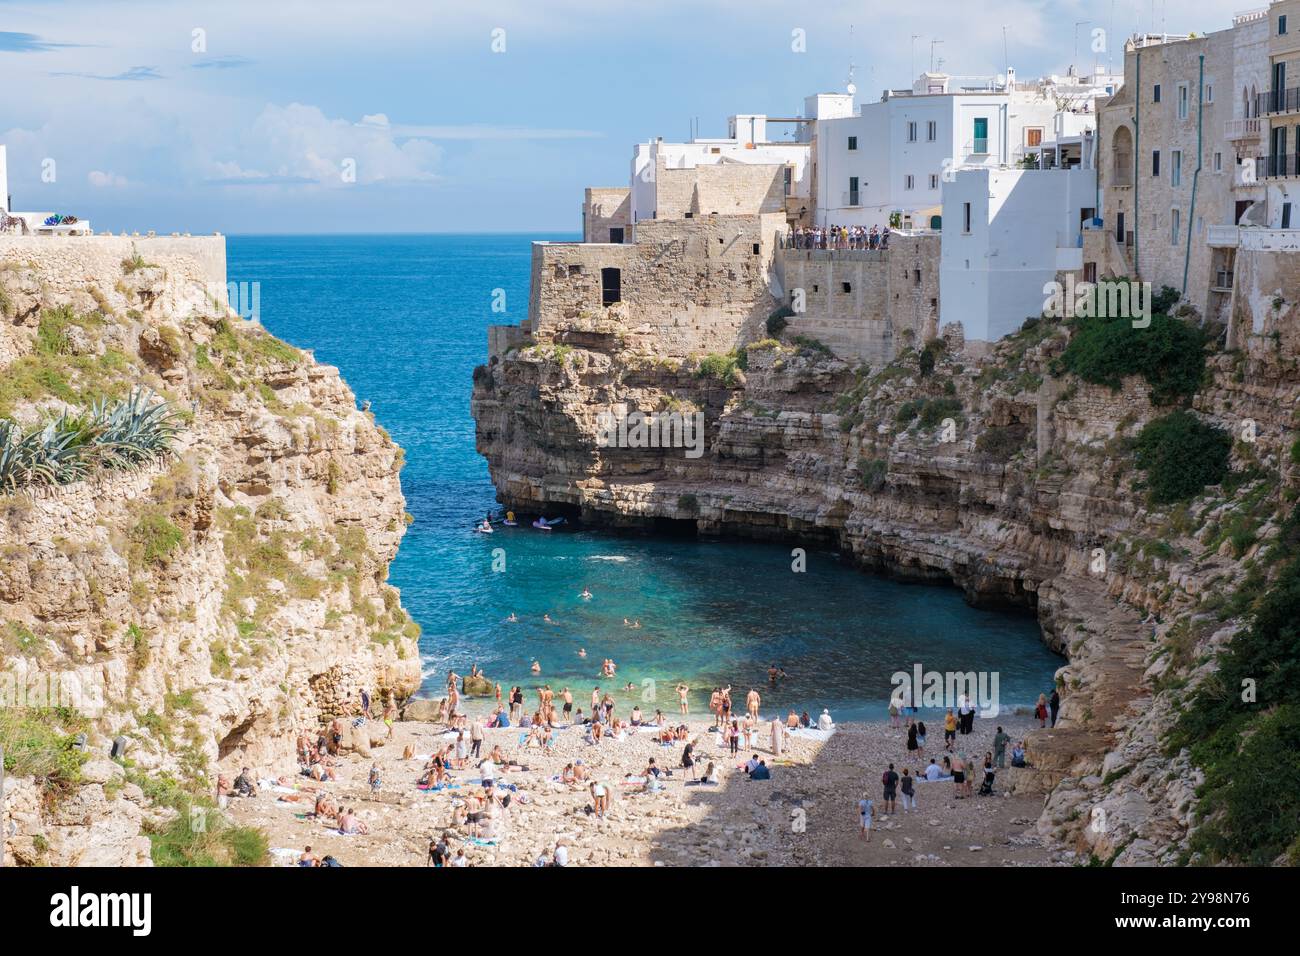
(404, 318)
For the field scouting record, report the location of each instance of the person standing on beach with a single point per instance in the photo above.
(866, 810)
(890, 781)
(912, 745)
(1000, 741)
(476, 739)
(920, 737)
(949, 730)
(683, 701)
(1055, 704)
(733, 734)
(907, 785)
(390, 714)
(752, 701)
(365, 703)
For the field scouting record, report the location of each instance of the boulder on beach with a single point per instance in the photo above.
(478, 686)
(421, 709)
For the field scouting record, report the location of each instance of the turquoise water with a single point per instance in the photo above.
(405, 319)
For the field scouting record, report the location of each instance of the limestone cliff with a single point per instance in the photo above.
(208, 606)
(988, 470)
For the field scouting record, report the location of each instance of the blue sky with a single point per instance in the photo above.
(252, 131)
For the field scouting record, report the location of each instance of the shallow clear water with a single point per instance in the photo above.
(405, 319)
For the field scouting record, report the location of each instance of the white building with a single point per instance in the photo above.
(34, 223)
(752, 139)
(1006, 233)
(894, 155)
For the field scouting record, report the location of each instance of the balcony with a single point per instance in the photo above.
(1235, 130)
(1276, 167)
(1277, 101)
(850, 199)
(1223, 237)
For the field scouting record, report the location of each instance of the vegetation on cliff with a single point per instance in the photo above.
(1169, 354)
(1242, 726)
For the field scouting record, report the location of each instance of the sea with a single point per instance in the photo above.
(405, 317)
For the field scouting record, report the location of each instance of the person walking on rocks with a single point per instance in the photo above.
(1040, 710)
(1055, 704)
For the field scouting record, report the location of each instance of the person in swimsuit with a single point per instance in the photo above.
(958, 775)
(683, 704)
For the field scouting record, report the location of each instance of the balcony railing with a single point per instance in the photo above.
(1223, 237)
(1278, 101)
(1248, 128)
(850, 199)
(1275, 167)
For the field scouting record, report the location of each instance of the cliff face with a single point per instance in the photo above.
(206, 607)
(1018, 486)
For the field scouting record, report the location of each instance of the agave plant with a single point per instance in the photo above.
(126, 434)
(133, 432)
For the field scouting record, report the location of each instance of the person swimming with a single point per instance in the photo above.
(631, 624)
(582, 652)
(585, 595)
(512, 619)
(547, 619)
(536, 668)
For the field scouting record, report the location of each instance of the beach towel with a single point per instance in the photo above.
(481, 841)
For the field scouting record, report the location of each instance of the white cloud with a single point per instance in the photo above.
(102, 180)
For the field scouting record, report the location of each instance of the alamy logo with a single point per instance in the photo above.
(1100, 300)
(617, 429)
(73, 909)
(959, 690)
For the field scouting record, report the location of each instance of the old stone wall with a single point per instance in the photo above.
(865, 304)
(724, 189)
(685, 286)
(605, 208)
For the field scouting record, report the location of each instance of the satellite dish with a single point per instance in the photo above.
(851, 88)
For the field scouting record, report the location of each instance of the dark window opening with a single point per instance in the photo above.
(918, 276)
(853, 142)
(616, 234)
(575, 271)
(1155, 162)
(1155, 94)
(756, 248)
(846, 287)
(1286, 215)
(611, 286)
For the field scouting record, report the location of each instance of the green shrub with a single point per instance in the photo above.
(1169, 354)
(1001, 442)
(937, 409)
(154, 538)
(720, 367)
(38, 742)
(872, 473)
(1181, 455)
(778, 320)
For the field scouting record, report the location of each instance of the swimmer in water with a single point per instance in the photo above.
(547, 619)
(537, 668)
(585, 595)
(631, 624)
(512, 619)
(582, 652)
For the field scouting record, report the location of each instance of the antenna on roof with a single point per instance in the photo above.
(850, 87)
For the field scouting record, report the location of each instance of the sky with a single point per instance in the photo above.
(306, 116)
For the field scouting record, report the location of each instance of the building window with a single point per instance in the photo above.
(934, 180)
(1209, 92)
(1155, 94)
(757, 249)
(911, 132)
(853, 143)
(846, 287)
(1174, 219)
(575, 271)
(1286, 215)
(965, 212)
(931, 131)
(1090, 272)
(909, 181)
(853, 190)
(981, 135)
(916, 275)
(611, 286)
(1155, 162)
(1033, 136)
(1176, 168)
(1218, 162)
(1183, 98)
(1281, 26)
